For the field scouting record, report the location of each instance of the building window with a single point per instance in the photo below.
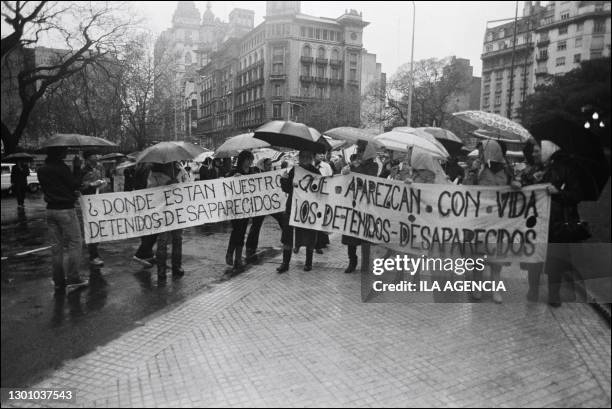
(565, 15)
(599, 27)
(499, 75)
(334, 54)
(353, 74)
(595, 54)
(310, 32)
(188, 58)
(276, 111)
(577, 58)
(563, 30)
(325, 34)
(561, 45)
(321, 52)
(303, 31)
(498, 99)
(487, 77)
(487, 89)
(320, 71)
(578, 42)
(306, 70)
(320, 92)
(560, 61)
(278, 60)
(277, 90)
(579, 27)
(306, 51)
(335, 73)
(488, 48)
(318, 33)
(485, 101)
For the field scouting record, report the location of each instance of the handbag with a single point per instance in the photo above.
(570, 231)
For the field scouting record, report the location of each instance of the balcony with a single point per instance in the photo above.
(306, 78)
(519, 48)
(278, 76)
(335, 81)
(335, 63)
(543, 42)
(322, 61)
(321, 80)
(307, 60)
(542, 57)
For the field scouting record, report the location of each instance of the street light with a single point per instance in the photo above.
(408, 117)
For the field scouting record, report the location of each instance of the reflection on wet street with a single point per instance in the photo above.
(41, 329)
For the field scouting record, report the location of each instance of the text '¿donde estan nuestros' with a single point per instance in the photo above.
(121, 215)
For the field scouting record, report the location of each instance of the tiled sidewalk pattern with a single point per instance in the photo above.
(306, 339)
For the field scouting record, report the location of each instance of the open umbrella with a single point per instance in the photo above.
(335, 143)
(112, 156)
(126, 164)
(351, 135)
(19, 156)
(292, 135)
(451, 142)
(203, 156)
(76, 140)
(497, 126)
(510, 154)
(583, 150)
(267, 153)
(400, 138)
(234, 145)
(166, 152)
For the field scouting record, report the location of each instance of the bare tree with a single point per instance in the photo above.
(83, 33)
(435, 83)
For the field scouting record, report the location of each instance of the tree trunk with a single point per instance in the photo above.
(9, 140)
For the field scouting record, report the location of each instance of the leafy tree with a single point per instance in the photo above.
(566, 95)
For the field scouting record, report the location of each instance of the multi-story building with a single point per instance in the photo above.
(570, 32)
(288, 67)
(550, 40)
(186, 47)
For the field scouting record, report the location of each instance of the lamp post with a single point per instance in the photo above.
(409, 115)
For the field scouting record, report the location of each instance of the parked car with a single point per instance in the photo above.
(33, 184)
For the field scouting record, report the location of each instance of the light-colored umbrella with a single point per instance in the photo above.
(166, 152)
(112, 156)
(293, 135)
(236, 144)
(399, 139)
(496, 126)
(203, 156)
(448, 139)
(510, 154)
(76, 140)
(267, 153)
(336, 144)
(125, 165)
(351, 135)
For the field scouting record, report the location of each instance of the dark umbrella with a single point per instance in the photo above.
(76, 140)
(19, 156)
(292, 135)
(583, 149)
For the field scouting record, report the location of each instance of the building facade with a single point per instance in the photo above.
(291, 66)
(550, 40)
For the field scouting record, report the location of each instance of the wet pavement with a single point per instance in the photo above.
(41, 331)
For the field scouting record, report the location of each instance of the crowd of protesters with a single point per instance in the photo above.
(544, 163)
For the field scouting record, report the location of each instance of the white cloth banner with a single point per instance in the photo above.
(122, 215)
(501, 222)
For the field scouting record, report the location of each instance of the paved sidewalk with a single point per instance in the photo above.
(306, 339)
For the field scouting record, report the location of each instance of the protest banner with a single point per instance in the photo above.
(501, 222)
(122, 215)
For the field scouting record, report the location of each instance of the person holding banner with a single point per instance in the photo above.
(162, 175)
(303, 237)
(364, 163)
(94, 181)
(493, 173)
(233, 257)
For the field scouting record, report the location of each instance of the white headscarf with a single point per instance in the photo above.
(548, 148)
(492, 152)
(422, 160)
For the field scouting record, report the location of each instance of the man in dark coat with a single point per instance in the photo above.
(19, 181)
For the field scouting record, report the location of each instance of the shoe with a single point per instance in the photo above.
(144, 262)
(307, 267)
(238, 266)
(497, 297)
(352, 266)
(319, 251)
(251, 256)
(178, 272)
(96, 262)
(554, 304)
(282, 268)
(72, 285)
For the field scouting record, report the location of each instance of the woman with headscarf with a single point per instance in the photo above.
(296, 236)
(493, 173)
(366, 165)
(565, 193)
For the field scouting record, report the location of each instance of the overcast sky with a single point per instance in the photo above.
(442, 28)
